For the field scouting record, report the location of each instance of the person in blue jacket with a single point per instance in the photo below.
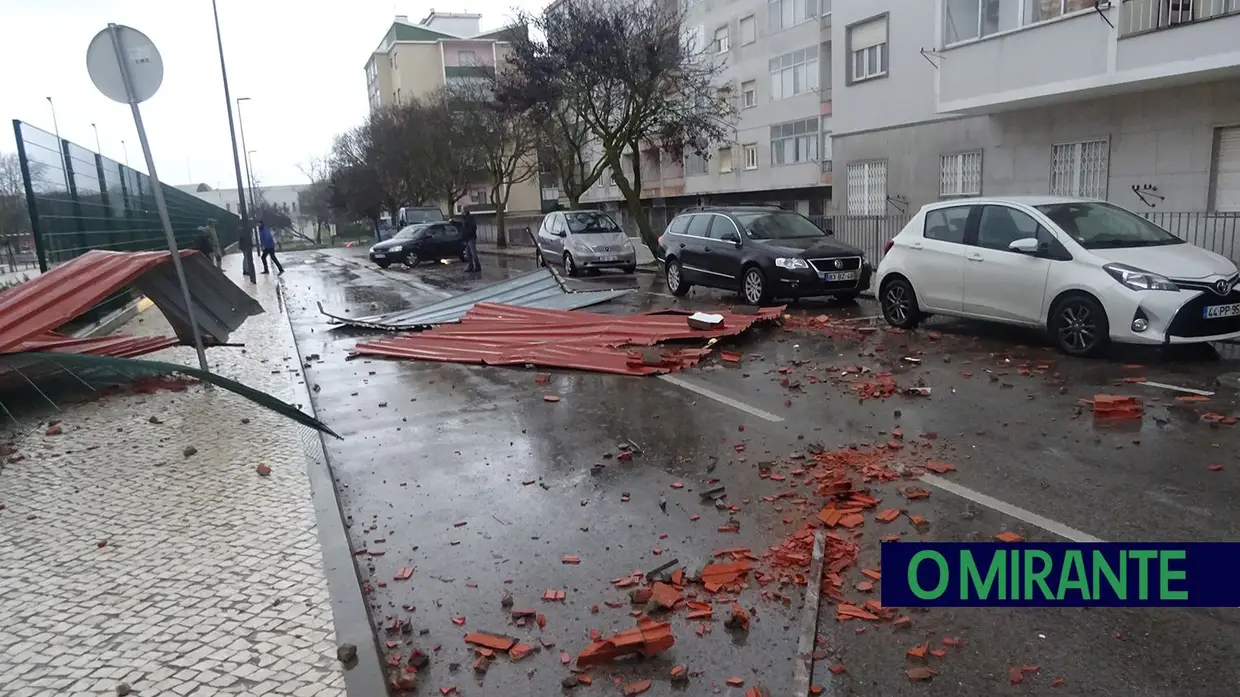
(268, 244)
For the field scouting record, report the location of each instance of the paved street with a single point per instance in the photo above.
(468, 477)
(139, 547)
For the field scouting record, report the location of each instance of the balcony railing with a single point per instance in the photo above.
(1143, 16)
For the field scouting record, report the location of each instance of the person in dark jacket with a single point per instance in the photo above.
(469, 233)
(268, 242)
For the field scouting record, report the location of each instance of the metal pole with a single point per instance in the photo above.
(98, 147)
(249, 164)
(249, 173)
(126, 151)
(158, 191)
(246, 240)
(60, 145)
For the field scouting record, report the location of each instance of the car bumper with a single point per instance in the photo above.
(802, 283)
(1171, 318)
(605, 260)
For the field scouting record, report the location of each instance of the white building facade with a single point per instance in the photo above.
(1135, 102)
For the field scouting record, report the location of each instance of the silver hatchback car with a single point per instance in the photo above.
(585, 240)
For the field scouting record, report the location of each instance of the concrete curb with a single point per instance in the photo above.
(350, 615)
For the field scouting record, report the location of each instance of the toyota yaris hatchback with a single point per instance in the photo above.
(1088, 271)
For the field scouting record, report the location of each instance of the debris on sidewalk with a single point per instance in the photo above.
(1115, 407)
(649, 638)
(492, 334)
(538, 289)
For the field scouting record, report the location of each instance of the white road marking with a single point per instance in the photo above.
(1051, 526)
(1177, 388)
(722, 399)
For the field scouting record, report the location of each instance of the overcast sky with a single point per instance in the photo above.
(301, 62)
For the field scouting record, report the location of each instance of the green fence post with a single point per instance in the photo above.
(40, 250)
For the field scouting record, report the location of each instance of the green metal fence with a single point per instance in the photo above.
(80, 200)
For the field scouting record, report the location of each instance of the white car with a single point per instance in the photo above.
(1088, 271)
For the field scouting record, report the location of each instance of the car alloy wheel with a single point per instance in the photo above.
(569, 267)
(1077, 327)
(676, 279)
(754, 287)
(896, 303)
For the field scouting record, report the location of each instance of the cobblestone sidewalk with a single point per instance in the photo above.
(123, 559)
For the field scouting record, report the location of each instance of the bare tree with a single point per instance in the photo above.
(626, 70)
(357, 189)
(313, 200)
(502, 141)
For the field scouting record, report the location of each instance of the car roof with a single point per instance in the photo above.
(739, 208)
(1020, 200)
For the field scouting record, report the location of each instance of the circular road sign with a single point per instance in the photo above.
(146, 67)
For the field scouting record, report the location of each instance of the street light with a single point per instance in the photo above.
(98, 147)
(246, 241)
(126, 151)
(249, 167)
(60, 145)
(249, 173)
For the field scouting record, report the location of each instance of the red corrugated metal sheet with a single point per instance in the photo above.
(493, 334)
(117, 346)
(36, 307)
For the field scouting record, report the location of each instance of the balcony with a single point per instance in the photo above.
(1000, 62)
(1141, 16)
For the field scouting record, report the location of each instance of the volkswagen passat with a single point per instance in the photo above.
(1089, 272)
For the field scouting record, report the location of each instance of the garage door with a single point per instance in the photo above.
(1226, 194)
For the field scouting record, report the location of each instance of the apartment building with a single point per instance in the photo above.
(415, 59)
(1137, 102)
(285, 197)
(776, 58)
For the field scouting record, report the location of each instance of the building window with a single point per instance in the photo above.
(695, 164)
(960, 174)
(964, 20)
(720, 44)
(466, 58)
(1080, 169)
(794, 142)
(725, 160)
(1226, 171)
(785, 13)
(749, 30)
(794, 73)
(479, 195)
(749, 94)
(867, 188)
(751, 156)
(867, 49)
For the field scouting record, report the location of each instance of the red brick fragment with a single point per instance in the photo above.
(1009, 537)
(550, 398)
(1058, 682)
(571, 559)
(636, 688)
(920, 673)
(403, 574)
(649, 638)
(490, 641)
(519, 651)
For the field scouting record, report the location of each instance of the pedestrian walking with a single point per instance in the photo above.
(469, 233)
(268, 243)
(217, 253)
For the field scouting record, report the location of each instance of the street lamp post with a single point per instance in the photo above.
(126, 151)
(98, 147)
(249, 165)
(246, 239)
(249, 173)
(60, 145)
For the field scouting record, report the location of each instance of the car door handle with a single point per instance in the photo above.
(917, 245)
(706, 249)
(974, 256)
(682, 245)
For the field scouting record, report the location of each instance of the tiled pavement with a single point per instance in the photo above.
(123, 560)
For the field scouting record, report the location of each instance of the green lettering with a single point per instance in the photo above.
(944, 577)
(1143, 557)
(972, 578)
(1037, 576)
(1166, 575)
(1014, 580)
(1119, 584)
(1072, 575)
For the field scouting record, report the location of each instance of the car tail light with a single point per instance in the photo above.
(887, 247)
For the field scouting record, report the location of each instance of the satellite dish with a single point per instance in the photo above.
(145, 66)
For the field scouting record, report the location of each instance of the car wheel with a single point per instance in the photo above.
(383, 264)
(753, 286)
(630, 269)
(675, 279)
(463, 256)
(899, 304)
(412, 261)
(1079, 326)
(570, 267)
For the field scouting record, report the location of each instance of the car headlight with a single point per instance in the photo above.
(397, 248)
(1138, 279)
(791, 264)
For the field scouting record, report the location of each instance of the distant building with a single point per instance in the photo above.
(284, 197)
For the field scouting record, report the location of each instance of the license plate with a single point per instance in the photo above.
(1217, 311)
(836, 276)
(606, 259)
(380, 256)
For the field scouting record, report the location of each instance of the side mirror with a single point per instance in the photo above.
(731, 237)
(1027, 245)
(561, 233)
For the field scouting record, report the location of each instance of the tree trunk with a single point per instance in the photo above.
(501, 235)
(633, 200)
(574, 200)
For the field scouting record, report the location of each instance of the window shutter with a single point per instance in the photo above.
(1227, 170)
(871, 33)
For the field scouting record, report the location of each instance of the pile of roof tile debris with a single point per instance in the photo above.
(495, 334)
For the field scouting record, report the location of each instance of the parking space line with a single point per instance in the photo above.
(1177, 388)
(1051, 526)
(722, 399)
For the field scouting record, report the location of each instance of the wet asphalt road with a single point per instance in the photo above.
(466, 475)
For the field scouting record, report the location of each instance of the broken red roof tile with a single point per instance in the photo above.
(636, 688)
(920, 673)
(490, 641)
(571, 559)
(648, 639)
(1009, 537)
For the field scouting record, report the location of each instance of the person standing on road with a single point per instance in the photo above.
(268, 243)
(469, 233)
(217, 253)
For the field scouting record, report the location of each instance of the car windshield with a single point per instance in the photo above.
(1104, 226)
(782, 225)
(423, 215)
(408, 232)
(590, 221)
